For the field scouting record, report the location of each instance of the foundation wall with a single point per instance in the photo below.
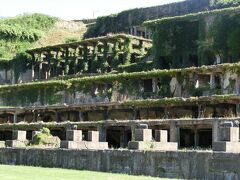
(187, 165)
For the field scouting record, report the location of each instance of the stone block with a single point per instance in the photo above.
(19, 135)
(169, 146)
(2, 144)
(230, 147)
(143, 134)
(161, 136)
(69, 145)
(16, 143)
(93, 136)
(74, 135)
(83, 145)
(93, 145)
(229, 134)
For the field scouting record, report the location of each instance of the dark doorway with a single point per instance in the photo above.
(186, 138)
(205, 138)
(5, 135)
(29, 135)
(59, 133)
(148, 86)
(113, 138)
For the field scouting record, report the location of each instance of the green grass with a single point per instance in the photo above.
(37, 173)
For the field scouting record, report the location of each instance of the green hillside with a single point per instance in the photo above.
(32, 30)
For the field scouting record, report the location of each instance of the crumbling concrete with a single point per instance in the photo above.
(143, 141)
(2, 144)
(229, 140)
(19, 139)
(74, 141)
(184, 165)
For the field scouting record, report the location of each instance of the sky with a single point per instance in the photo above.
(73, 9)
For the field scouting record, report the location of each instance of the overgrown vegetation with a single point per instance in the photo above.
(44, 138)
(101, 87)
(194, 40)
(122, 21)
(18, 33)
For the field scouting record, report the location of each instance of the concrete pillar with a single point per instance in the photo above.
(238, 110)
(15, 118)
(102, 133)
(143, 135)
(131, 30)
(135, 31)
(74, 135)
(135, 114)
(146, 33)
(35, 116)
(19, 135)
(200, 112)
(107, 114)
(93, 136)
(5, 75)
(196, 142)
(133, 127)
(215, 130)
(80, 115)
(33, 73)
(13, 76)
(154, 85)
(174, 132)
(57, 116)
(161, 136)
(40, 71)
(212, 81)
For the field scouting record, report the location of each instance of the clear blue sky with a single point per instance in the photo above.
(73, 9)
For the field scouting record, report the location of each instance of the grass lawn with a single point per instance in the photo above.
(37, 173)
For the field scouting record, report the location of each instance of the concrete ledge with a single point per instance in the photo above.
(83, 145)
(2, 144)
(226, 146)
(162, 146)
(16, 143)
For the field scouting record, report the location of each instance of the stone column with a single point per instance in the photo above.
(212, 81)
(80, 116)
(33, 73)
(40, 71)
(13, 76)
(15, 118)
(123, 138)
(237, 110)
(215, 130)
(174, 132)
(154, 85)
(135, 114)
(196, 143)
(35, 116)
(102, 133)
(57, 116)
(133, 127)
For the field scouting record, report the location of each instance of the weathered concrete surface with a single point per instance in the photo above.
(161, 146)
(2, 144)
(189, 165)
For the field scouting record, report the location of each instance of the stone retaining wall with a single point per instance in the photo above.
(189, 165)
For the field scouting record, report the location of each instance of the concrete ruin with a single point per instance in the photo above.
(19, 139)
(144, 141)
(74, 140)
(228, 141)
(126, 95)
